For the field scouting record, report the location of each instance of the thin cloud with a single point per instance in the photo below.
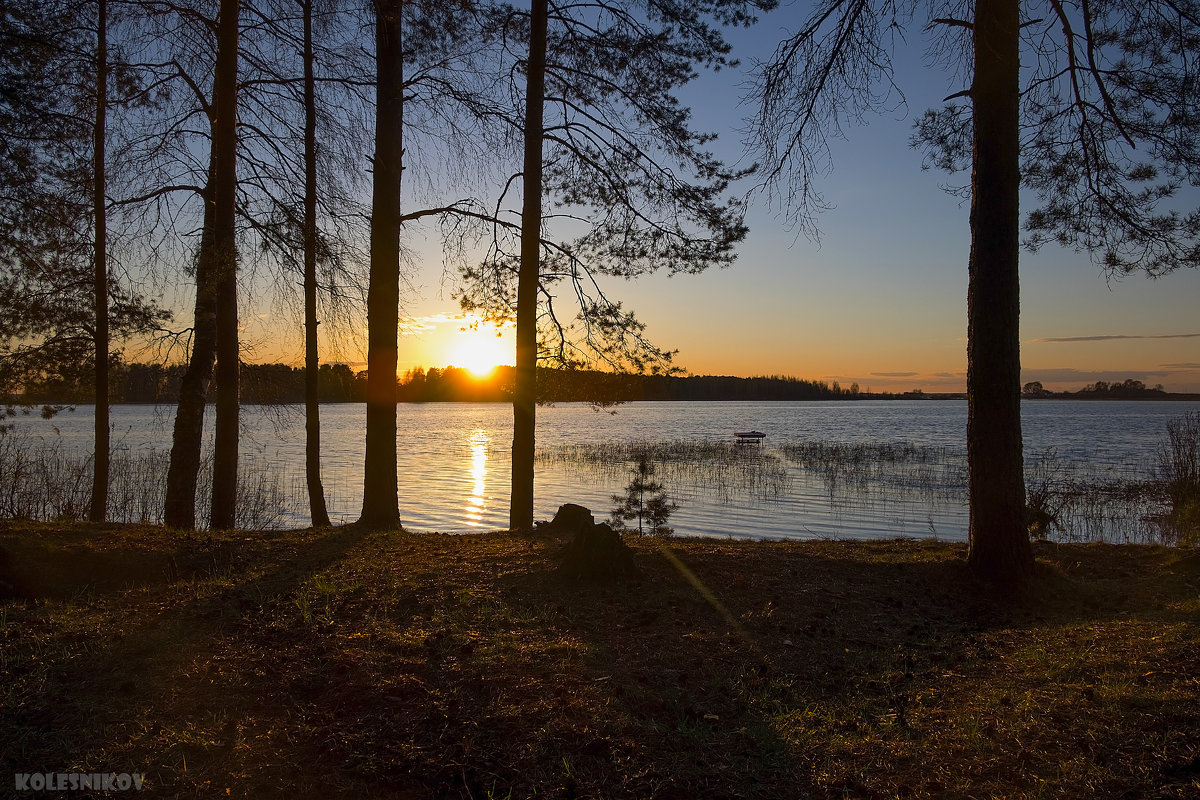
(1108, 337)
(1183, 365)
(430, 322)
(893, 374)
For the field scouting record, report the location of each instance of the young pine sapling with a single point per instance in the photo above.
(644, 500)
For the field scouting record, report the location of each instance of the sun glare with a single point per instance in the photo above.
(480, 350)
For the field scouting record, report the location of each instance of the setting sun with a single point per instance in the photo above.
(480, 349)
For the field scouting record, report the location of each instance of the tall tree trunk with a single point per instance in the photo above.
(216, 256)
(224, 186)
(98, 507)
(999, 542)
(520, 514)
(383, 295)
(312, 409)
(180, 508)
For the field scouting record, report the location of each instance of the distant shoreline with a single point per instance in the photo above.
(281, 384)
(1170, 397)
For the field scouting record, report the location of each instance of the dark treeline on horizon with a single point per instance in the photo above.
(1128, 389)
(281, 383)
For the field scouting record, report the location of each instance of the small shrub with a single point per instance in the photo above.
(1179, 471)
(644, 500)
(1045, 495)
(1185, 520)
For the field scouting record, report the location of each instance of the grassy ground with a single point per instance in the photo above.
(391, 665)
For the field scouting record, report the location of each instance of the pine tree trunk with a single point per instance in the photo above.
(312, 409)
(224, 183)
(520, 515)
(383, 295)
(999, 542)
(180, 507)
(98, 506)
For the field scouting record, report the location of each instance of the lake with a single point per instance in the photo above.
(864, 469)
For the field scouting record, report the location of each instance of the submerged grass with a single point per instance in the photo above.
(933, 474)
(1068, 501)
(354, 664)
(725, 469)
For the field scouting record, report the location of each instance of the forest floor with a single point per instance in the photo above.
(354, 664)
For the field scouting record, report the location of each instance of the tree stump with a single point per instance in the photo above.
(597, 554)
(572, 518)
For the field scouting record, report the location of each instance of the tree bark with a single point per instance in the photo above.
(380, 487)
(180, 507)
(999, 542)
(98, 506)
(520, 515)
(312, 410)
(224, 183)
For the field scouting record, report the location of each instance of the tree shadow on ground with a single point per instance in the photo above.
(121, 638)
(349, 664)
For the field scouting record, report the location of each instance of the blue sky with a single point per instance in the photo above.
(881, 299)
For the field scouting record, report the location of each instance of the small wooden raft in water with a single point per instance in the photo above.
(750, 437)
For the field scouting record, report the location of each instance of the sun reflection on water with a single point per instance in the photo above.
(477, 501)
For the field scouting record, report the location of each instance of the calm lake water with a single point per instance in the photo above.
(454, 469)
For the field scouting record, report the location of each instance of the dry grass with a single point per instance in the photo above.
(390, 665)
